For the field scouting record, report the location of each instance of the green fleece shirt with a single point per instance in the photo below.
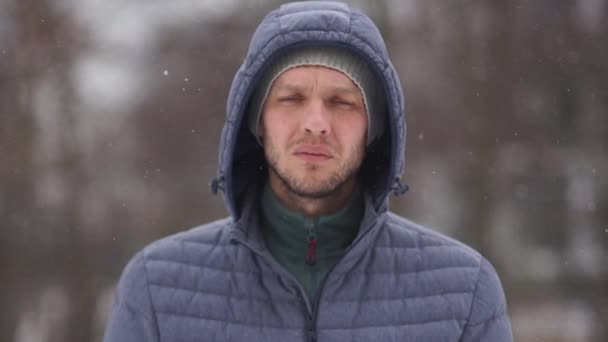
(308, 247)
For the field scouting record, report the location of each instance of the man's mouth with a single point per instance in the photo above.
(313, 153)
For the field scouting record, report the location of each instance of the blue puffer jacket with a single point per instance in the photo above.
(396, 282)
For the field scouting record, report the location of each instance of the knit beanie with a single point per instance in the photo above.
(338, 59)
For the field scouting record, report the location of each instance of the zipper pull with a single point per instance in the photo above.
(312, 244)
(310, 255)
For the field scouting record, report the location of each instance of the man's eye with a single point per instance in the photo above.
(342, 102)
(290, 99)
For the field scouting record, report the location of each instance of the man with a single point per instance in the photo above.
(312, 146)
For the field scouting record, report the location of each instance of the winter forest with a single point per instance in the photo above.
(111, 111)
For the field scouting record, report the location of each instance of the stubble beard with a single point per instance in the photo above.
(315, 188)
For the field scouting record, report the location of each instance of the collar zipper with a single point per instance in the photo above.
(311, 258)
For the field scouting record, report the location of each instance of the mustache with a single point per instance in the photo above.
(312, 141)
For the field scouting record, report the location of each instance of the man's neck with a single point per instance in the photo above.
(311, 206)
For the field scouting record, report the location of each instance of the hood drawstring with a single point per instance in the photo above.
(217, 183)
(398, 188)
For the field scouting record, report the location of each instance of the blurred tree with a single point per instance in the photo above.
(17, 137)
(50, 242)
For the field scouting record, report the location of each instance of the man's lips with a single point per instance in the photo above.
(313, 153)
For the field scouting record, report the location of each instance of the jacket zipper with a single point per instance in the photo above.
(311, 257)
(312, 316)
(312, 310)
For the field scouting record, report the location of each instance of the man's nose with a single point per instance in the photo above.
(317, 119)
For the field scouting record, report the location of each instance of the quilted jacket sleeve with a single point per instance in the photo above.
(488, 320)
(132, 318)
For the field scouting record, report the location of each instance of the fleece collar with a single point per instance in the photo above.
(332, 233)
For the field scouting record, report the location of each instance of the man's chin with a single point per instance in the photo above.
(313, 189)
(311, 185)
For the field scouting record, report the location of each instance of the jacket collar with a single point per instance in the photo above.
(294, 230)
(247, 230)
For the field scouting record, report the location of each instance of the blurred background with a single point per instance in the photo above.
(110, 115)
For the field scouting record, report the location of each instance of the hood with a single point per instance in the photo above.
(294, 25)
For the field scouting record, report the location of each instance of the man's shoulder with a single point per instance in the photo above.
(406, 234)
(447, 268)
(171, 268)
(189, 246)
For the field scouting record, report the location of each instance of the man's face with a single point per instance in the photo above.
(313, 128)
